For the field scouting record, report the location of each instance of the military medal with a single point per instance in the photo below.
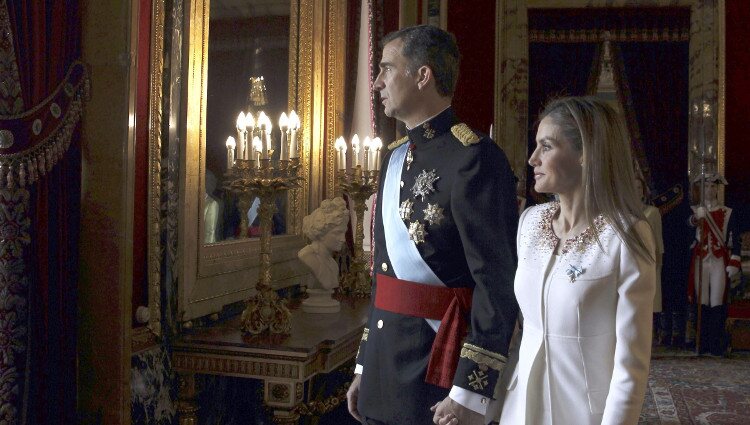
(410, 155)
(405, 209)
(433, 214)
(417, 232)
(424, 184)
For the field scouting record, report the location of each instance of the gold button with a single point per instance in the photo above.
(384, 267)
(380, 324)
(402, 183)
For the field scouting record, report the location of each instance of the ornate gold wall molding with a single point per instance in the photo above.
(154, 221)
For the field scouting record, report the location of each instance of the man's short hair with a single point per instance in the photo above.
(427, 45)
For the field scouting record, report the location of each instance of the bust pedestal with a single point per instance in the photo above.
(320, 301)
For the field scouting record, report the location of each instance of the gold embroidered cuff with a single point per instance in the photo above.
(483, 357)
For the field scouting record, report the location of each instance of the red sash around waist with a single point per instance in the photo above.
(449, 305)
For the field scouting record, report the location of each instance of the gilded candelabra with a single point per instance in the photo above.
(259, 178)
(358, 185)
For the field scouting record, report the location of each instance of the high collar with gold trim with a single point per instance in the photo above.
(434, 127)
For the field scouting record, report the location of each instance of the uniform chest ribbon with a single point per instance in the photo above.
(449, 305)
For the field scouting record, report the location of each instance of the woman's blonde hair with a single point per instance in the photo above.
(595, 129)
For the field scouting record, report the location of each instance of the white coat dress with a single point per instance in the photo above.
(584, 354)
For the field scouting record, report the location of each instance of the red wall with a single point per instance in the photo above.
(473, 23)
(737, 100)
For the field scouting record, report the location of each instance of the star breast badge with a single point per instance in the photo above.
(424, 184)
(406, 209)
(417, 232)
(433, 214)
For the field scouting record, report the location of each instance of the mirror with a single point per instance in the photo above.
(248, 73)
(227, 42)
(298, 47)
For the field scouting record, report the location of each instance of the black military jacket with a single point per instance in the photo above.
(470, 243)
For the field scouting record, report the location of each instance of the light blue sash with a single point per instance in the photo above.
(406, 261)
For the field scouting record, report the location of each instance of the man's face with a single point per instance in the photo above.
(711, 191)
(396, 84)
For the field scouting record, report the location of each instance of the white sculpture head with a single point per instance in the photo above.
(325, 227)
(327, 224)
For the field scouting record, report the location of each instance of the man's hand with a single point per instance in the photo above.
(448, 412)
(700, 212)
(352, 395)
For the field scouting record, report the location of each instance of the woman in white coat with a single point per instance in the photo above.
(585, 279)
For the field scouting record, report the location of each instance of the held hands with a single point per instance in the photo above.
(448, 412)
(352, 395)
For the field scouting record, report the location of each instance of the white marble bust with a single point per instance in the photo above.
(325, 228)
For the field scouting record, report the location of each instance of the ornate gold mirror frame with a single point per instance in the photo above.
(512, 57)
(214, 275)
(154, 251)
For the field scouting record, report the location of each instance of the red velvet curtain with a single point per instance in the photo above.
(653, 85)
(555, 69)
(46, 38)
(737, 98)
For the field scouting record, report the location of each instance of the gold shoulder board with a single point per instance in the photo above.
(398, 143)
(464, 134)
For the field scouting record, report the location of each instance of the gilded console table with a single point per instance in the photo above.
(319, 343)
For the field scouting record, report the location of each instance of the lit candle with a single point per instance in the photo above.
(376, 146)
(340, 147)
(250, 128)
(257, 148)
(355, 151)
(268, 147)
(241, 135)
(366, 154)
(294, 125)
(231, 144)
(283, 127)
(262, 128)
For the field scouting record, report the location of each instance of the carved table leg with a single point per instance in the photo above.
(187, 407)
(283, 398)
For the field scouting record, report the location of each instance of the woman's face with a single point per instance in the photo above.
(334, 238)
(556, 163)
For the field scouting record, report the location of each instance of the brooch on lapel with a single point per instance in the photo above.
(573, 272)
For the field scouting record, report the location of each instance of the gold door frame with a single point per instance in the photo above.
(512, 59)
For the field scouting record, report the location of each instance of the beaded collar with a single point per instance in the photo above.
(579, 243)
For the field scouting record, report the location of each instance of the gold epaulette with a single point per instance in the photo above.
(464, 134)
(398, 143)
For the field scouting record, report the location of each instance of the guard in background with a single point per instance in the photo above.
(443, 307)
(715, 256)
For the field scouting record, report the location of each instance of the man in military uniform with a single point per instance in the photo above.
(443, 308)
